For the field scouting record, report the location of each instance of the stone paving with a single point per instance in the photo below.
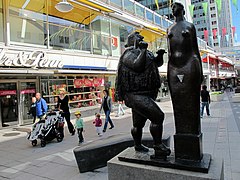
(19, 160)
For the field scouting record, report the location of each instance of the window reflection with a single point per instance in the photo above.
(1, 21)
(27, 22)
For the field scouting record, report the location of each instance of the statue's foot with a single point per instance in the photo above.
(141, 148)
(161, 151)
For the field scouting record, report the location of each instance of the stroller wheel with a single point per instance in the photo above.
(34, 142)
(59, 138)
(43, 143)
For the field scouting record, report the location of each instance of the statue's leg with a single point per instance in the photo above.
(156, 116)
(146, 107)
(138, 124)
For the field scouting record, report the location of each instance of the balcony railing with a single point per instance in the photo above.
(142, 12)
(137, 9)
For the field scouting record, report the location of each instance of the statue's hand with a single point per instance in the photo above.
(143, 45)
(161, 51)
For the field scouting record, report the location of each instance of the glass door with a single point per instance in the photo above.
(27, 91)
(8, 103)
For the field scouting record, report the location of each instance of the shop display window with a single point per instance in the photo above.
(82, 90)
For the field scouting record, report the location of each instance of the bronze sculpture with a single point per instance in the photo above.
(137, 83)
(185, 77)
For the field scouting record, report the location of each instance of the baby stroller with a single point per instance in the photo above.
(48, 129)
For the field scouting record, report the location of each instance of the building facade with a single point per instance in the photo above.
(212, 25)
(163, 7)
(42, 50)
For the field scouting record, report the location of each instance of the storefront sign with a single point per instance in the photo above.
(96, 82)
(28, 91)
(78, 83)
(34, 59)
(7, 92)
(88, 82)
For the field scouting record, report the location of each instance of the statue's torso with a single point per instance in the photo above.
(180, 37)
(146, 82)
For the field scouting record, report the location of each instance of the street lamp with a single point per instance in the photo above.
(64, 6)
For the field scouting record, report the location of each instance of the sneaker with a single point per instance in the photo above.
(104, 130)
(111, 127)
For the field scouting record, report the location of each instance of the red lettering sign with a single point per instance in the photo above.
(8, 92)
(28, 91)
(78, 83)
(88, 82)
(98, 82)
(115, 41)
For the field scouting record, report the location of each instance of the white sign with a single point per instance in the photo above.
(34, 59)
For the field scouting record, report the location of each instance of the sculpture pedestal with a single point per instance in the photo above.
(121, 170)
(188, 146)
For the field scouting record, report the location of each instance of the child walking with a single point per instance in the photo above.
(79, 125)
(98, 124)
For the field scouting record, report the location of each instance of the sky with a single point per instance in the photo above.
(236, 21)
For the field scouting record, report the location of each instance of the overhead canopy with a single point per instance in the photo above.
(80, 13)
(149, 35)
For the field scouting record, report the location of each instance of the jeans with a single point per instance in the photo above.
(207, 108)
(120, 110)
(80, 135)
(108, 119)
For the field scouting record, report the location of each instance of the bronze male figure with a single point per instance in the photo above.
(137, 84)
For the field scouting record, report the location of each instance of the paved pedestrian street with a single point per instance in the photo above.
(19, 160)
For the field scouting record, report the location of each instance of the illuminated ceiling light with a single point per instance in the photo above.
(64, 6)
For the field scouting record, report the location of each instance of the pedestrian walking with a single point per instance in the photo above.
(63, 105)
(79, 125)
(98, 124)
(41, 108)
(205, 99)
(32, 110)
(120, 109)
(107, 107)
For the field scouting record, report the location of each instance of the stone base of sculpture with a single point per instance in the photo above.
(140, 166)
(147, 158)
(188, 146)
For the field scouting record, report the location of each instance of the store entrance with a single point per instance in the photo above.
(8, 103)
(27, 91)
(15, 101)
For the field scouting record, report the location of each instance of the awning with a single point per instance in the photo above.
(80, 13)
(149, 35)
(94, 5)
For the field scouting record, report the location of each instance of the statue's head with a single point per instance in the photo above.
(177, 9)
(134, 39)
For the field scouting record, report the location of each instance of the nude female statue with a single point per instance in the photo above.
(185, 76)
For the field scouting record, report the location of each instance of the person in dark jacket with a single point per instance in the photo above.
(63, 105)
(32, 110)
(205, 98)
(41, 107)
(107, 108)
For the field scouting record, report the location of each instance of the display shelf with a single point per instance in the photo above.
(70, 102)
(70, 94)
(83, 100)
